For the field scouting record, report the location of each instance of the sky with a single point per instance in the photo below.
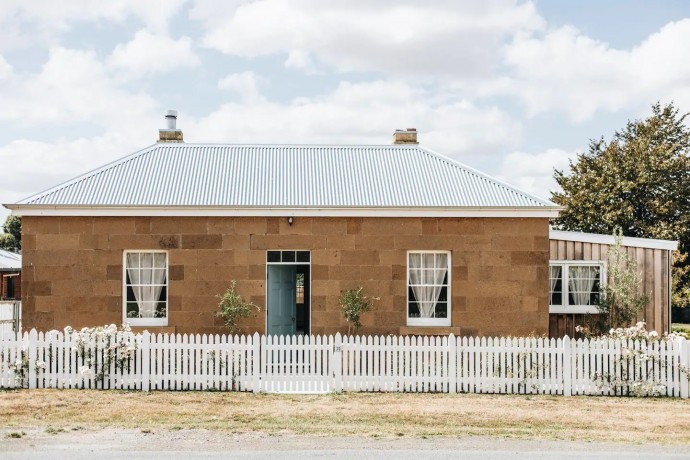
(513, 88)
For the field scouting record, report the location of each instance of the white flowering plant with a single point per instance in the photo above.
(628, 378)
(103, 346)
(20, 367)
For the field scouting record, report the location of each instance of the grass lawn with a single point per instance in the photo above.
(629, 420)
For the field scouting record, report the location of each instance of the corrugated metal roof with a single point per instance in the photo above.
(386, 176)
(598, 238)
(10, 260)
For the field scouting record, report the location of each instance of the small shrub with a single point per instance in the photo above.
(232, 307)
(353, 303)
(620, 302)
(15, 434)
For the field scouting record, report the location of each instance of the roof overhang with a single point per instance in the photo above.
(181, 211)
(609, 239)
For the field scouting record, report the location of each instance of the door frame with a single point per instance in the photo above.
(285, 263)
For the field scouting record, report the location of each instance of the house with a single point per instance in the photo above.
(578, 267)
(10, 275)
(153, 238)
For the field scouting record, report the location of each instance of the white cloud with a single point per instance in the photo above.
(72, 86)
(244, 84)
(568, 71)
(27, 23)
(534, 172)
(301, 60)
(455, 39)
(361, 113)
(147, 54)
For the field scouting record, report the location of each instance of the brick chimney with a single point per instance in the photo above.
(171, 133)
(405, 136)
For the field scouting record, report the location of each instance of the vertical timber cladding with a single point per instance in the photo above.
(652, 266)
(73, 269)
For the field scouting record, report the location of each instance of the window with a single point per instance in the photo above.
(288, 256)
(574, 287)
(428, 288)
(146, 288)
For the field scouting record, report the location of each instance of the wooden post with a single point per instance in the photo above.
(146, 361)
(256, 363)
(337, 360)
(452, 364)
(567, 367)
(31, 353)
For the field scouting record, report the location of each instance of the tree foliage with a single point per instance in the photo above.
(638, 181)
(11, 240)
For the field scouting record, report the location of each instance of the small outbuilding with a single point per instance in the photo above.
(578, 264)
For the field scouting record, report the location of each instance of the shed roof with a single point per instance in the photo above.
(10, 260)
(285, 176)
(609, 239)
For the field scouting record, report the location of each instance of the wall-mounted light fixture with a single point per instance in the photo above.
(290, 220)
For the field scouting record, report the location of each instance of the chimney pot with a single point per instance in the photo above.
(171, 118)
(171, 133)
(405, 136)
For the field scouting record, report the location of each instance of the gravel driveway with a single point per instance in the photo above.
(111, 444)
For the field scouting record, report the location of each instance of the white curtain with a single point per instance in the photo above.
(147, 274)
(554, 276)
(427, 272)
(581, 283)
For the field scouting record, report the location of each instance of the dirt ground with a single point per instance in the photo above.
(374, 416)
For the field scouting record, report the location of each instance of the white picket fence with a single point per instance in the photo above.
(319, 364)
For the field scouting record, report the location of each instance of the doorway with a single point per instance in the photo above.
(288, 292)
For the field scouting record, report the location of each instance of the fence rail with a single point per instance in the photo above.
(318, 364)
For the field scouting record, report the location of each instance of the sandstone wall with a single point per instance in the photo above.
(72, 268)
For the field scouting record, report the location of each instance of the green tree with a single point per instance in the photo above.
(638, 181)
(11, 240)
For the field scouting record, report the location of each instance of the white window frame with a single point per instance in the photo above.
(145, 321)
(566, 264)
(440, 322)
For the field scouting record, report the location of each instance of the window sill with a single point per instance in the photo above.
(140, 322)
(155, 329)
(573, 309)
(428, 322)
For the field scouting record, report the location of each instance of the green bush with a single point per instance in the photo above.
(232, 307)
(353, 303)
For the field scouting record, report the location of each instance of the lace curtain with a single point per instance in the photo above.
(147, 274)
(427, 272)
(581, 283)
(555, 275)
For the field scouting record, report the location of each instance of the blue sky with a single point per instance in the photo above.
(510, 87)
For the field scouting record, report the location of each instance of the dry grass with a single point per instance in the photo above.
(664, 421)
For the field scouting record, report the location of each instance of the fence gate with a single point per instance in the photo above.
(10, 316)
(297, 364)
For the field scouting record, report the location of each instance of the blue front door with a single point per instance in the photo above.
(281, 304)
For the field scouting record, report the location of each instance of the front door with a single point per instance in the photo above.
(281, 305)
